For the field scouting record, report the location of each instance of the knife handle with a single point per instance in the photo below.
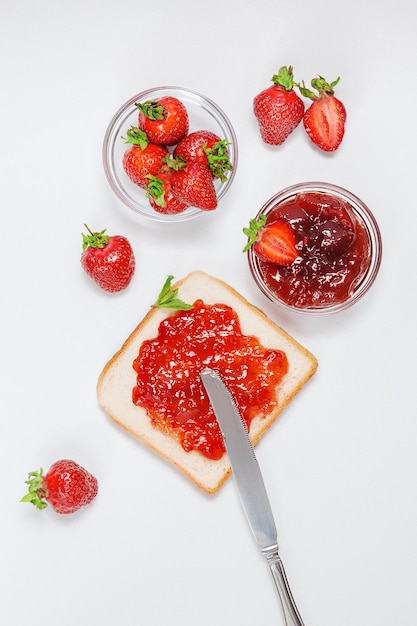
(291, 614)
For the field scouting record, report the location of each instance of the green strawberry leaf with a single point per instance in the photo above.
(136, 137)
(307, 93)
(152, 109)
(218, 159)
(167, 298)
(155, 189)
(176, 164)
(36, 490)
(284, 78)
(321, 85)
(94, 240)
(251, 233)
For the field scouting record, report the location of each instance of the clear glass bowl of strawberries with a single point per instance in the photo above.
(170, 154)
(314, 248)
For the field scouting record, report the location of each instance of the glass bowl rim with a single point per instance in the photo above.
(375, 242)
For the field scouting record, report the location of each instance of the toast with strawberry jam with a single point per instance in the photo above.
(152, 388)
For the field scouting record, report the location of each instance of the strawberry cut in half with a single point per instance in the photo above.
(324, 121)
(274, 242)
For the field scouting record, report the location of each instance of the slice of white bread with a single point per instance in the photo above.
(116, 381)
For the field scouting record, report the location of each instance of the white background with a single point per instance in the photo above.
(340, 463)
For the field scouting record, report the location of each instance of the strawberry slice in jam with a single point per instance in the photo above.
(168, 375)
(276, 243)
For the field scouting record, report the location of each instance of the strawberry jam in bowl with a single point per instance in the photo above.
(314, 248)
(170, 154)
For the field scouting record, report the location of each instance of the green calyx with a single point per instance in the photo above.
(36, 490)
(251, 233)
(155, 189)
(284, 78)
(168, 299)
(218, 159)
(152, 109)
(94, 240)
(177, 163)
(136, 137)
(321, 85)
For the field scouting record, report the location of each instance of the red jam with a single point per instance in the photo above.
(168, 375)
(334, 251)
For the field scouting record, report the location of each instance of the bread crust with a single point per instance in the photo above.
(117, 379)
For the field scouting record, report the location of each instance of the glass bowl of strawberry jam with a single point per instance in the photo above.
(203, 114)
(329, 249)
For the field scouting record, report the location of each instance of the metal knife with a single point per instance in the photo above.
(251, 487)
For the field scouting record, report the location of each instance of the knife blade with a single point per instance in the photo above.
(250, 487)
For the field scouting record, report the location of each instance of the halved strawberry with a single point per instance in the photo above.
(324, 120)
(274, 242)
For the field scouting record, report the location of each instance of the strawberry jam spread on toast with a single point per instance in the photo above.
(168, 369)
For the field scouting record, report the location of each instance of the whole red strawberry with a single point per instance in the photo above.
(192, 183)
(274, 242)
(324, 121)
(160, 196)
(109, 261)
(143, 158)
(205, 147)
(278, 109)
(66, 487)
(164, 120)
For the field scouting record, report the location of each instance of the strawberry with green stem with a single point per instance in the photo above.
(160, 196)
(205, 147)
(164, 120)
(278, 109)
(192, 183)
(108, 260)
(67, 487)
(324, 120)
(143, 158)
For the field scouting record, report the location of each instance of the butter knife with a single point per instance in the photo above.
(250, 486)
